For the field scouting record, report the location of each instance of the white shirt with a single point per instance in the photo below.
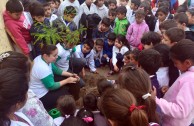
(115, 51)
(130, 16)
(102, 11)
(84, 9)
(162, 76)
(97, 55)
(18, 123)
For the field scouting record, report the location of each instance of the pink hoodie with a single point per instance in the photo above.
(135, 32)
(178, 103)
(19, 30)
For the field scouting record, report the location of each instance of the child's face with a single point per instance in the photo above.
(57, 5)
(98, 48)
(132, 59)
(110, 42)
(100, 3)
(123, 2)
(139, 19)
(47, 11)
(112, 6)
(69, 17)
(161, 16)
(111, 17)
(85, 48)
(118, 44)
(182, 66)
(103, 27)
(39, 18)
(15, 16)
(181, 26)
(133, 7)
(190, 18)
(126, 60)
(52, 57)
(89, 2)
(167, 41)
(120, 16)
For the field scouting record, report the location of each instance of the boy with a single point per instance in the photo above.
(98, 52)
(112, 16)
(124, 3)
(48, 13)
(85, 51)
(18, 25)
(167, 24)
(121, 23)
(150, 60)
(131, 13)
(190, 14)
(172, 36)
(112, 5)
(102, 30)
(107, 49)
(182, 21)
(131, 57)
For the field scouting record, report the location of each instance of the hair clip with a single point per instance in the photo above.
(146, 96)
(131, 67)
(133, 107)
(3, 56)
(88, 119)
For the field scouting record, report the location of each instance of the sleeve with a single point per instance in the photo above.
(17, 35)
(56, 70)
(180, 108)
(114, 59)
(91, 62)
(49, 83)
(75, 53)
(129, 32)
(116, 27)
(58, 58)
(147, 28)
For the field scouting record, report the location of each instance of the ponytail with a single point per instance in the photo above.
(138, 118)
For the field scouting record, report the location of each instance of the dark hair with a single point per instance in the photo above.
(163, 9)
(122, 38)
(164, 50)
(181, 8)
(66, 105)
(175, 34)
(99, 42)
(191, 11)
(183, 50)
(47, 49)
(181, 18)
(14, 6)
(135, 53)
(112, 1)
(136, 2)
(70, 10)
(89, 42)
(16, 60)
(146, 7)
(13, 90)
(150, 61)
(112, 36)
(150, 37)
(112, 12)
(106, 21)
(137, 81)
(115, 106)
(102, 85)
(121, 10)
(167, 24)
(36, 9)
(140, 12)
(73, 121)
(90, 102)
(84, 113)
(127, 54)
(46, 4)
(165, 4)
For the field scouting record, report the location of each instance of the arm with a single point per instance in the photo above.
(91, 63)
(129, 33)
(58, 71)
(114, 59)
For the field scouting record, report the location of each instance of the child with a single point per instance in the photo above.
(162, 14)
(103, 85)
(107, 49)
(137, 29)
(56, 6)
(66, 106)
(102, 30)
(48, 13)
(115, 100)
(112, 17)
(98, 52)
(190, 14)
(121, 23)
(18, 25)
(112, 5)
(174, 106)
(124, 3)
(131, 13)
(167, 24)
(182, 21)
(119, 49)
(74, 121)
(172, 36)
(150, 60)
(150, 39)
(131, 57)
(85, 51)
(67, 19)
(86, 115)
(102, 10)
(88, 7)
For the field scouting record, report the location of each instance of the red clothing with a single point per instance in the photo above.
(19, 30)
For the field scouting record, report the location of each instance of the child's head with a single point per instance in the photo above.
(87, 46)
(14, 9)
(105, 24)
(111, 38)
(69, 13)
(74, 121)
(131, 57)
(182, 54)
(182, 20)
(90, 102)
(121, 12)
(172, 36)
(164, 52)
(120, 41)
(190, 14)
(49, 53)
(99, 44)
(146, 7)
(112, 15)
(181, 8)
(99, 3)
(51, 3)
(135, 4)
(150, 39)
(66, 105)
(120, 108)
(89, 2)
(123, 2)
(103, 85)
(139, 16)
(150, 60)
(164, 4)
(57, 3)
(47, 10)
(167, 24)
(37, 11)
(162, 13)
(112, 4)
(87, 116)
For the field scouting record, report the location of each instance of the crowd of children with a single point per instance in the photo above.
(148, 44)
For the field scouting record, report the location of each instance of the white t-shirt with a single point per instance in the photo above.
(18, 123)
(162, 76)
(39, 71)
(102, 11)
(115, 51)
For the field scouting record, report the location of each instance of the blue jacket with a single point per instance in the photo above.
(107, 49)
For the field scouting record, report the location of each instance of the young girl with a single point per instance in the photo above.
(121, 109)
(119, 50)
(86, 115)
(178, 102)
(102, 10)
(137, 29)
(131, 57)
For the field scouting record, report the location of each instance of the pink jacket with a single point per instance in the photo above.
(178, 103)
(19, 30)
(135, 32)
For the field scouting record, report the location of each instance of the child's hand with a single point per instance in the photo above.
(164, 89)
(153, 93)
(83, 73)
(72, 80)
(95, 72)
(116, 69)
(105, 55)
